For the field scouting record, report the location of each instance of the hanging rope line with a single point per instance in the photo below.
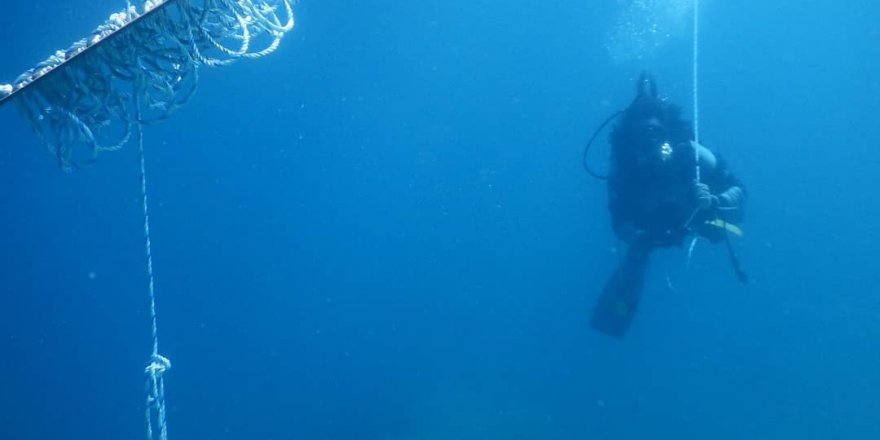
(696, 39)
(155, 387)
(734, 259)
(694, 72)
(136, 68)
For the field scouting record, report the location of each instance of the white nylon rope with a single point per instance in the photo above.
(696, 81)
(155, 386)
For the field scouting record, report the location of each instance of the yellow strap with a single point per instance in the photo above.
(730, 227)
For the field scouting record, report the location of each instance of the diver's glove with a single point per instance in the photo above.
(705, 199)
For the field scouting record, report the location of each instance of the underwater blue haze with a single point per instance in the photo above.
(383, 232)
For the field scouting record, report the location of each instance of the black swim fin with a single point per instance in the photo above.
(617, 305)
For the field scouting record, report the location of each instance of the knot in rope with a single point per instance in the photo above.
(158, 365)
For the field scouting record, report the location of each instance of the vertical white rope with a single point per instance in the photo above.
(155, 387)
(696, 39)
(147, 243)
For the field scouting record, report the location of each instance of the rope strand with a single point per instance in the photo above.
(696, 82)
(155, 386)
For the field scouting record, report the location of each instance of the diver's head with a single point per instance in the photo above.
(650, 127)
(646, 87)
(647, 103)
(645, 130)
(651, 131)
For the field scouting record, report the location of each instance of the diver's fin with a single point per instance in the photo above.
(617, 305)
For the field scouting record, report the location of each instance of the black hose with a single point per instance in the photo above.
(590, 143)
(741, 275)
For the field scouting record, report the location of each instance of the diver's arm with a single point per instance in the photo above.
(730, 204)
(732, 198)
(727, 204)
(707, 157)
(715, 169)
(728, 201)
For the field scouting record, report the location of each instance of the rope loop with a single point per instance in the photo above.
(158, 365)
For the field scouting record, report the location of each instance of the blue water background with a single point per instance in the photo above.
(383, 231)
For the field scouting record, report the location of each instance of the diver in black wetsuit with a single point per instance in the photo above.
(655, 199)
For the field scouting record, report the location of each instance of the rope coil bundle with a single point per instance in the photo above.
(80, 101)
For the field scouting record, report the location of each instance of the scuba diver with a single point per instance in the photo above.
(662, 188)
